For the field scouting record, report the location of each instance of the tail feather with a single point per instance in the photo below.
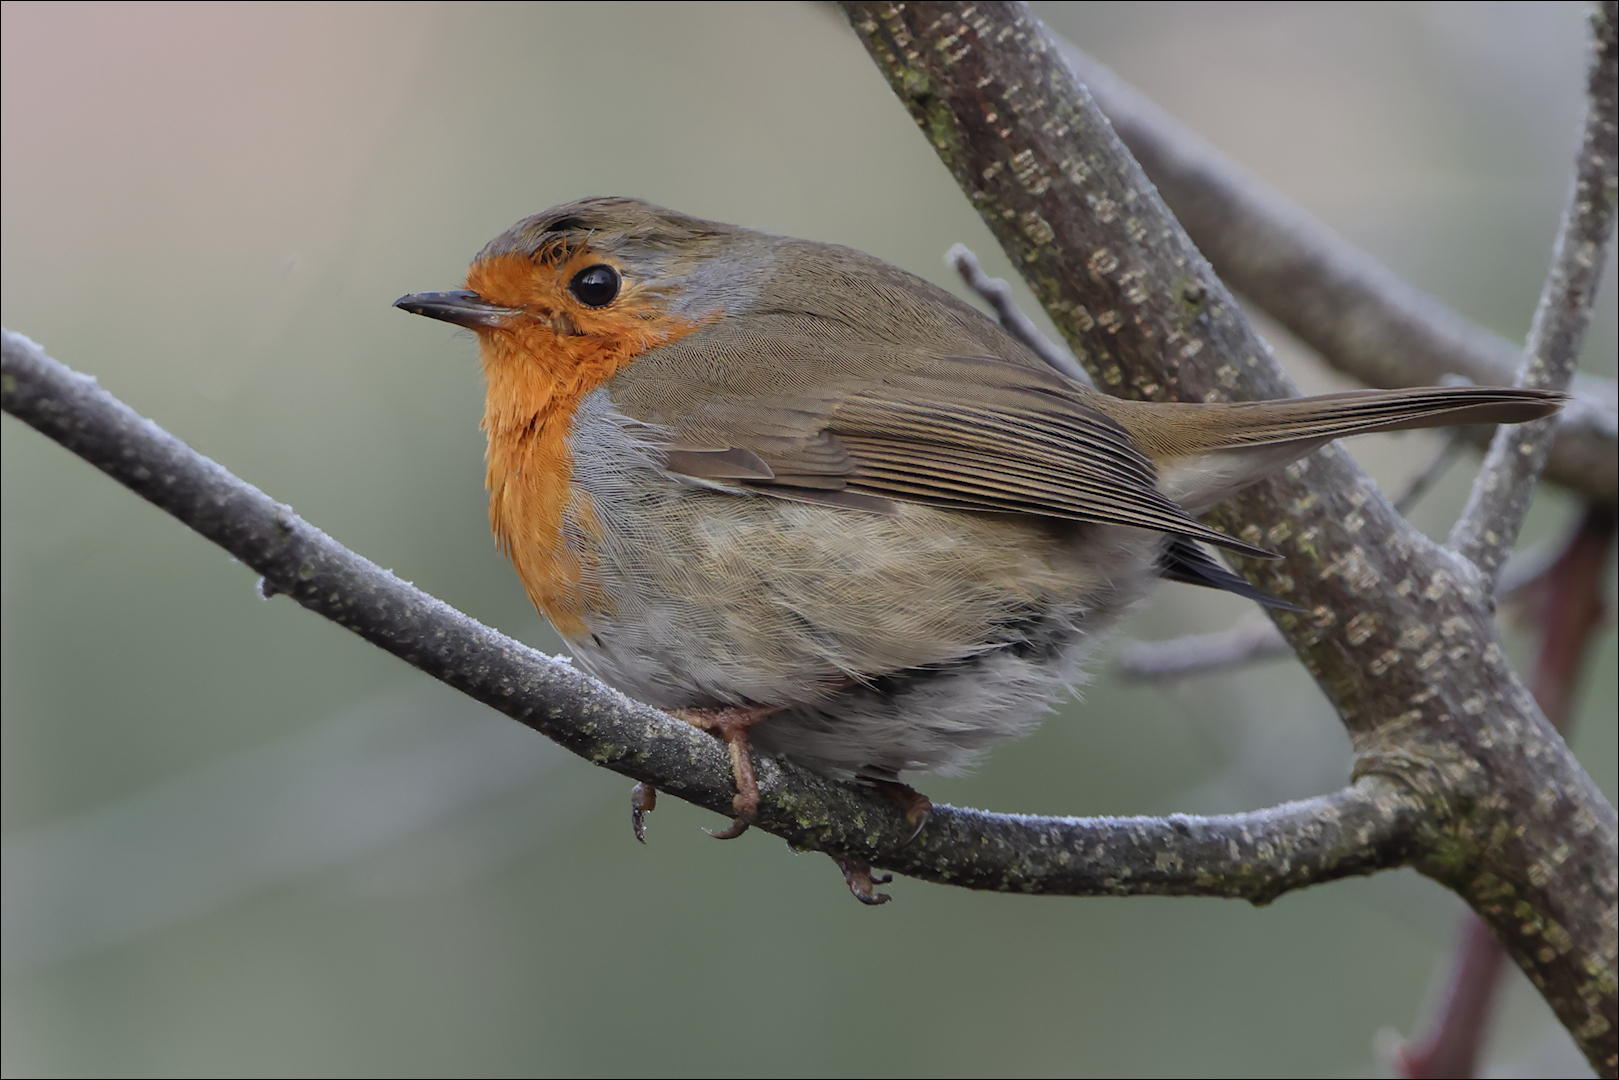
(1169, 431)
(1206, 453)
(1333, 416)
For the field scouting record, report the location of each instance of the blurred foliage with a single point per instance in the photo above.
(240, 841)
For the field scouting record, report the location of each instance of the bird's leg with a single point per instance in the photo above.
(857, 874)
(731, 723)
(917, 806)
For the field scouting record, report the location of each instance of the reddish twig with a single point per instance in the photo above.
(1570, 610)
(1452, 1047)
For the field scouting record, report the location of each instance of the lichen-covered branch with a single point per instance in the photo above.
(1361, 317)
(1398, 632)
(1566, 599)
(1255, 856)
(1500, 498)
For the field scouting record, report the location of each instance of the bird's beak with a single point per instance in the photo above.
(460, 306)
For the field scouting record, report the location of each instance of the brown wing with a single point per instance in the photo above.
(862, 385)
(981, 434)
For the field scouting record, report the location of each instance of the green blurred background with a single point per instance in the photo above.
(240, 841)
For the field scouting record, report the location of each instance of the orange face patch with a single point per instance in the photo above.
(538, 366)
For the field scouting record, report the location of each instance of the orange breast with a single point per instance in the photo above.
(538, 367)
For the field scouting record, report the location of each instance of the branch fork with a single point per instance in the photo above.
(1417, 674)
(1459, 774)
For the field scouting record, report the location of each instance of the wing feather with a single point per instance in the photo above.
(838, 418)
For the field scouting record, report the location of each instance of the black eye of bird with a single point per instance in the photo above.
(595, 286)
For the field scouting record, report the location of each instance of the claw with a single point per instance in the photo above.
(857, 874)
(736, 828)
(919, 819)
(917, 806)
(643, 800)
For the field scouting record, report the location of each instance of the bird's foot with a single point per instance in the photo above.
(857, 874)
(643, 800)
(731, 723)
(917, 806)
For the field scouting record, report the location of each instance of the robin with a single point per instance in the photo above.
(817, 505)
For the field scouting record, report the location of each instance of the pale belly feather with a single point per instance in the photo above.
(903, 641)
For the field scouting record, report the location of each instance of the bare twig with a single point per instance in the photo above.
(1394, 628)
(1254, 641)
(1569, 604)
(1256, 856)
(998, 294)
(1361, 318)
(1506, 483)
(1246, 642)
(1430, 474)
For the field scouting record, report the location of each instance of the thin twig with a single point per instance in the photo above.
(1568, 595)
(1430, 474)
(1358, 315)
(1506, 483)
(1255, 856)
(1255, 641)
(1246, 642)
(998, 294)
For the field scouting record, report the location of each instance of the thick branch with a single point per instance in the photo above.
(1254, 856)
(1356, 313)
(1567, 598)
(1500, 498)
(1398, 633)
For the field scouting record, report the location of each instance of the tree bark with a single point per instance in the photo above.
(1359, 316)
(1397, 630)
